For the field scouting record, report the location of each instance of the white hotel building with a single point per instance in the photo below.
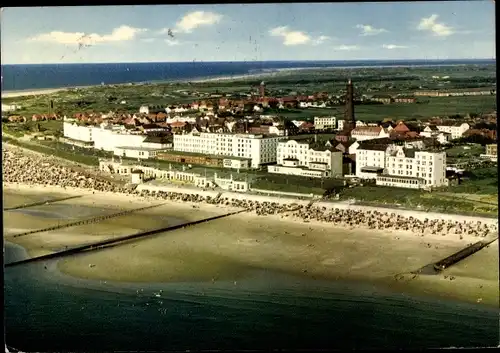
(401, 166)
(113, 138)
(325, 122)
(413, 168)
(304, 159)
(259, 149)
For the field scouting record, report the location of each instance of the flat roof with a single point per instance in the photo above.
(75, 140)
(301, 167)
(401, 177)
(140, 148)
(195, 154)
(371, 169)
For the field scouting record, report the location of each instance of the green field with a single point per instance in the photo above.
(464, 153)
(60, 151)
(297, 184)
(53, 127)
(285, 83)
(442, 106)
(439, 106)
(436, 201)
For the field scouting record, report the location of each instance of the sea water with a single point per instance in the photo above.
(48, 311)
(40, 76)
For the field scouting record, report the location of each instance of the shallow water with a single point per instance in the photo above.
(47, 311)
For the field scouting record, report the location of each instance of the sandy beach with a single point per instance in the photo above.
(44, 91)
(36, 92)
(231, 248)
(326, 240)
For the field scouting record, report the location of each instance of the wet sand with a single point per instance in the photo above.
(230, 248)
(473, 279)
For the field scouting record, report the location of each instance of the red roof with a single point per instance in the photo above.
(401, 127)
(178, 124)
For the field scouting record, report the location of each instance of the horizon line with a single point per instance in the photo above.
(260, 61)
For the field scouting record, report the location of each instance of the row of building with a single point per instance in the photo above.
(390, 154)
(457, 93)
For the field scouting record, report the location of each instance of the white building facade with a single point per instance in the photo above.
(363, 133)
(413, 168)
(370, 161)
(325, 122)
(441, 136)
(135, 152)
(299, 158)
(258, 148)
(456, 130)
(109, 137)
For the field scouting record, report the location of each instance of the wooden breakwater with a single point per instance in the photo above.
(86, 221)
(40, 203)
(117, 241)
(462, 254)
(453, 259)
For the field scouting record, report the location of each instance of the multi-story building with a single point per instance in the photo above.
(306, 158)
(492, 149)
(457, 93)
(456, 130)
(113, 138)
(491, 152)
(325, 122)
(260, 149)
(413, 168)
(370, 157)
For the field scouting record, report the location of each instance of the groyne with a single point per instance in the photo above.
(87, 221)
(441, 265)
(117, 241)
(40, 203)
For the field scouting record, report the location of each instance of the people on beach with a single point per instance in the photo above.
(22, 167)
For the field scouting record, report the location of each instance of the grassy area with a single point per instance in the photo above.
(63, 152)
(442, 106)
(297, 184)
(465, 153)
(20, 129)
(482, 181)
(425, 109)
(129, 97)
(436, 201)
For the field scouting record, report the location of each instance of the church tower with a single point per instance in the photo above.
(349, 120)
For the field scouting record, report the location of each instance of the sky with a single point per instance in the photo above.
(249, 32)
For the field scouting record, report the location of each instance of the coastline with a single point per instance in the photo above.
(39, 91)
(355, 64)
(45, 91)
(228, 249)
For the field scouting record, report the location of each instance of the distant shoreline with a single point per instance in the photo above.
(260, 72)
(38, 91)
(44, 91)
